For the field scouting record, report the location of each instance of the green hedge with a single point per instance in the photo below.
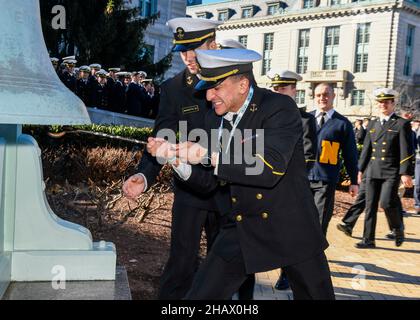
(116, 130)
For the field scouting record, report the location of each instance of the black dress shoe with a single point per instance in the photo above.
(345, 228)
(399, 237)
(365, 244)
(390, 235)
(282, 283)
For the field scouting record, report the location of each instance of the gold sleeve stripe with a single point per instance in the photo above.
(269, 165)
(310, 160)
(404, 160)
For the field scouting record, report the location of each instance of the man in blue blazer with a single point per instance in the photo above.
(335, 134)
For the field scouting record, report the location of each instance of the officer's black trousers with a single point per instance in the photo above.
(358, 206)
(187, 225)
(222, 273)
(324, 195)
(385, 193)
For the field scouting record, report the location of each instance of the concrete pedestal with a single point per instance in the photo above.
(74, 290)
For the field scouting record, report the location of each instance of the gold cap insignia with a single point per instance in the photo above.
(180, 33)
(276, 77)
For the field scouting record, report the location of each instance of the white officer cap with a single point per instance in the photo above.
(84, 69)
(114, 69)
(142, 74)
(282, 78)
(230, 44)
(382, 94)
(69, 58)
(101, 73)
(190, 33)
(217, 65)
(54, 60)
(70, 62)
(95, 66)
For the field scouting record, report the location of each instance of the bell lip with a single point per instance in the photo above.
(38, 122)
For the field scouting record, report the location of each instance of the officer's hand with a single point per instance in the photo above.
(153, 144)
(407, 181)
(133, 186)
(359, 177)
(353, 190)
(191, 152)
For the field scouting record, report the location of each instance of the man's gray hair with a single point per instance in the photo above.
(325, 84)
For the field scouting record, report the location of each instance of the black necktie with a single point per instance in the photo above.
(234, 118)
(322, 121)
(383, 122)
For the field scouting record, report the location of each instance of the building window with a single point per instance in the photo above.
(358, 97)
(308, 4)
(362, 47)
(335, 2)
(300, 96)
(247, 12)
(268, 49)
(332, 40)
(204, 15)
(272, 9)
(303, 51)
(243, 40)
(223, 15)
(409, 50)
(147, 7)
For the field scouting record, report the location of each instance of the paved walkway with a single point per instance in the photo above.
(384, 273)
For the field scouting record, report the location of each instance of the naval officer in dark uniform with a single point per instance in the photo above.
(67, 76)
(83, 85)
(192, 211)
(284, 82)
(386, 159)
(273, 219)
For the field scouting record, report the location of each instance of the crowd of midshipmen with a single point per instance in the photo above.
(113, 90)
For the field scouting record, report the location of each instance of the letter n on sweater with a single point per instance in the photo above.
(329, 152)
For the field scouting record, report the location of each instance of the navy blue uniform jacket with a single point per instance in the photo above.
(179, 102)
(274, 212)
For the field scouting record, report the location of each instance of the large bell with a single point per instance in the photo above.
(34, 241)
(30, 90)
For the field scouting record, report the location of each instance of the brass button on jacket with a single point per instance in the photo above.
(264, 215)
(259, 196)
(239, 218)
(234, 200)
